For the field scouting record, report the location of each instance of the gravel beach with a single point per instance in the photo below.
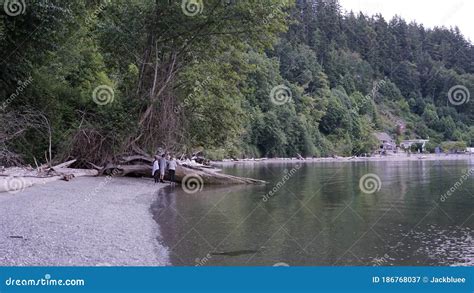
(89, 221)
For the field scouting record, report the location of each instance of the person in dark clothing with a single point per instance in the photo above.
(156, 169)
(162, 164)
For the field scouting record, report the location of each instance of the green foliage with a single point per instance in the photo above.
(388, 91)
(453, 146)
(348, 76)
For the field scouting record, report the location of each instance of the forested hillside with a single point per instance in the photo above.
(94, 79)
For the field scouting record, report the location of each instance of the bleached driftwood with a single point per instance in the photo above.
(141, 166)
(17, 178)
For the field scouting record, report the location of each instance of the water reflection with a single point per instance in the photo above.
(321, 217)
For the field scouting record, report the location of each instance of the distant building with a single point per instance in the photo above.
(406, 144)
(386, 142)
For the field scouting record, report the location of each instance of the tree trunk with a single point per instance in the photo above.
(206, 176)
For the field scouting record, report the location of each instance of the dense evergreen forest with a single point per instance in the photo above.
(94, 79)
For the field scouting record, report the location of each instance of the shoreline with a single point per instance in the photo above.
(89, 221)
(386, 158)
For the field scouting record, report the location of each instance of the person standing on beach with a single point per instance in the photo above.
(172, 169)
(156, 169)
(162, 165)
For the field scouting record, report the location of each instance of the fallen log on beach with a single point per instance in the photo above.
(141, 166)
(43, 172)
(16, 179)
(207, 176)
(17, 184)
(210, 176)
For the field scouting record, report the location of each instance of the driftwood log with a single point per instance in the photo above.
(16, 179)
(137, 165)
(141, 166)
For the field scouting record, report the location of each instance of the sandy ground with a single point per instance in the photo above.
(378, 158)
(89, 221)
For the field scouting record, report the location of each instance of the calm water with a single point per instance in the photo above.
(320, 216)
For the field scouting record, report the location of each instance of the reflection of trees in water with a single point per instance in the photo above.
(190, 222)
(325, 227)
